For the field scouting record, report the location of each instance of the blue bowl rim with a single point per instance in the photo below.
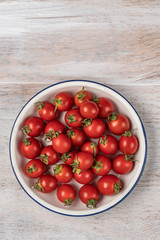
(145, 157)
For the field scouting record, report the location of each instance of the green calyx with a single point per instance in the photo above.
(31, 169)
(129, 158)
(67, 202)
(57, 101)
(39, 187)
(112, 116)
(75, 165)
(96, 100)
(26, 129)
(98, 166)
(91, 203)
(81, 95)
(40, 105)
(128, 133)
(86, 122)
(78, 171)
(94, 146)
(70, 133)
(103, 140)
(52, 134)
(71, 118)
(57, 169)
(117, 187)
(65, 156)
(44, 158)
(26, 142)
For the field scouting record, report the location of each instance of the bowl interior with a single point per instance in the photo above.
(50, 200)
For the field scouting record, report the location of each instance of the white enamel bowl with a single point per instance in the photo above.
(50, 201)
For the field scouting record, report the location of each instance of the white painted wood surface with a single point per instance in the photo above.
(114, 42)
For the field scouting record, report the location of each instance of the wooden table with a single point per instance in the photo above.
(114, 42)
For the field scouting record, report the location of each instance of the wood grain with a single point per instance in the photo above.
(114, 42)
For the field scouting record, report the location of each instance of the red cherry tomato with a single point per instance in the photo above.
(123, 164)
(30, 148)
(52, 127)
(102, 165)
(46, 183)
(61, 143)
(63, 101)
(109, 185)
(90, 147)
(89, 109)
(49, 156)
(82, 96)
(66, 194)
(63, 173)
(105, 106)
(94, 128)
(83, 177)
(73, 118)
(35, 168)
(47, 111)
(128, 143)
(77, 137)
(89, 195)
(83, 161)
(108, 144)
(118, 123)
(69, 157)
(33, 127)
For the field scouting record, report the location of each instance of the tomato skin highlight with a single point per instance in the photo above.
(105, 106)
(63, 101)
(94, 128)
(52, 127)
(63, 173)
(109, 185)
(35, 168)
(76, 136)
(46, 183)
(102, 165)
(47, 111)
(66, 194)
(73, 118)
(118, 123)
(49, 156)
(108, 145)
(84, 177)
(81, 97)
(89, 195)
(33, 127)
(61, 143)
(30, 148)
(89, 109)
(128, 144)
(121, 165)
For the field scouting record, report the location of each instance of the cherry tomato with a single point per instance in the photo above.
(105, 106)
(83, 177)
(118, 123)
(69, 157)
(47, 111)
(30, 148)
(89, 195)
(61, 143)
(33, 127)
(66, 194)
(81, 97)
(63, 173)
(83, 161)
(73, 118)
(77, 137)
(128, 143)
(46, 183)
(123, 164)
(109, 185)
(102, 165)
(108, 144)
(90, 147)
(35, 168)
(49, 156)
(63, 101)
(94, 128)
(52, 127)
(89, 109)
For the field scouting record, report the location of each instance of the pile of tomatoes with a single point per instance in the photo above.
(73, 144)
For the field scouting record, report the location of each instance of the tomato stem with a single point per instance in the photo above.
(75, 165)
(129, 158)
(44, 158)
(86, 122)
(39, 187)
(71, 118)
(96, 100)
(67, 202)
(26, 142)
(117, 187)
(91, 203)
(40, 105)
(81, 95)
(57, 169)
(103, 140)
(70, 133)
(31, 169)
(26, 129)
(112, 116)
(98, 166)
